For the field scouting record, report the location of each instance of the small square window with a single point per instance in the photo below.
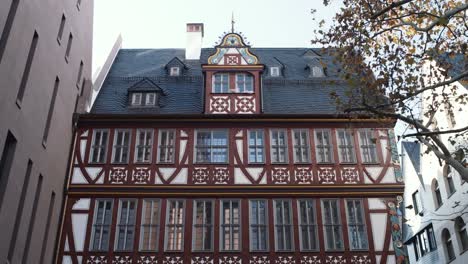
(175, 71)
(150, 99)
(274, 71)
(136, 99)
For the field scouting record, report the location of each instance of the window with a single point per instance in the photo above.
(356, 225)
(449, 180)
(258, 225)
(244, 83)
(346, 146)
(230, 225)
(279, 147)
(212, 146)
(221, 83)
(460, 228)
(175, 225)
(448, 245)
(51, 111)
(101, 225)
(80, 74)
(27, 68)
(150, 99)
(121, 145)
(283, 225)
(202, 225)
(368, 146)
(69, 45)
(332, 225)
(144, 143)
(301, 146)
(256, 146)
(166, 146)
(424, 242)
(99, 146)
(274, 71)
(323, 146)
(175, 71)
(136, 99)
(125, 225)
(307, 225)
(149, 225)
(6, 162)
(437, 195)
(317, 72)
(61, 27)
(416, 202)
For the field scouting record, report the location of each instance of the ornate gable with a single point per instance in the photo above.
(233, 51)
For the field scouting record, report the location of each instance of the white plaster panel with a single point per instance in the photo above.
(264, 180)
(389, 176)
(183, 133)
(390, 247)
(80, 259)
(255, 172)
(385, 150)
(181, 178)
(77, 177)
(66, 248)
(240, 133)
(82, 204)
(391, 259)
(378, 258)
(374, 173)
(67, 260)
(93, 172)
(379, 225)
(157, 180)
(183, 146)
(75, 161)
(232, 51)
(240, 149)
(167, 172)
(239, 177)
(82, 148)
(79, 222)
(85, 134)
(376, 203)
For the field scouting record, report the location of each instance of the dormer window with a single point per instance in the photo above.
(317, 72)
(175, 71)
(244, 83)
(221, 83)
(136, 99)
(143, 99)
(274, 71)
(150, 99)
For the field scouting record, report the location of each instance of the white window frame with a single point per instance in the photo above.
(174, 71)
(136, 99)
(101, 145)
(203, 225)
(145, 145)
(126, 135)
(346, 144)
(241, 83)
(301, 146)
(279, 147)
(126, 225)
(211, 146)
(368, 148)
(317, 72)
(311, 224)
(231, 226)
(224, 87)
(362, 241)
(153, 225)
(274, 71)
(168, 225)
(339, 224)
(148, 101)
(259, 226)
(328, 148)
(256, 146)
(101, 225)
(284, 225)
(169, 148)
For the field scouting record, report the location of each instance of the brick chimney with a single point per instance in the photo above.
(194, 41)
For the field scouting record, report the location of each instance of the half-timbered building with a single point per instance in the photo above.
(229, 155)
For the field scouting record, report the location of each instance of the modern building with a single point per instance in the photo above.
(436, 196)
(45, 68)
(230, 155)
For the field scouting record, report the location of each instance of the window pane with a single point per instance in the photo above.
(258, 227)
(101, 225)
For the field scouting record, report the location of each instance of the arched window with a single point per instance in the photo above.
(244, 83)
(449, 180)
(448, 245)
(460, 228)
(437, 195)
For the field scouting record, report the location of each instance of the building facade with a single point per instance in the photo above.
(45, 68)
(229, 155)
(435, 194)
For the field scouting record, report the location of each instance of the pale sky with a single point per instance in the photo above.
(161, 24)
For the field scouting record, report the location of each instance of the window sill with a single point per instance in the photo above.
(211, 163)
(226, 93)
(303, 163)
(280, 163)
(347, 163)
(120, 163)
(371, 163)
(66, 59)
(450, 194)
(142, 162)
(230, 251)
(331, 163)
(165, 163)
(18, 103)
(59, 41)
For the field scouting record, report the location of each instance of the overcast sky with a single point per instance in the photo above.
(161, 24)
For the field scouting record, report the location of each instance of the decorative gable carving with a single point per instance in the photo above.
(233, 51)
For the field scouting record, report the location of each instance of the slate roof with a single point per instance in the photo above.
(293, 93)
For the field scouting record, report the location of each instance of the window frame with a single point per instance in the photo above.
(363, 225)
(244, 82)
(256, 146)
(274, 71)
(135, 102)
(103, 146)
(204, 225)
(265, 225)
(339, 224)
(301, 146)
(122, 147)
(278, 147)
(118, 224)
(196, 146)
(167, 146)
(367, 146)
(310, 225)
(424, 242)
(222, 82)
(290, 224)
(349, 145)
(329, 147)
(438, 202)
(151, 225)
(174, 71)
(147, 96)
(222, 224)
(447, 242)
(417, 204)
(166, 225)
(461, 234)
(94, 224)
(137, 145)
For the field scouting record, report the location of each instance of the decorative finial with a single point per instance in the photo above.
(232, 22)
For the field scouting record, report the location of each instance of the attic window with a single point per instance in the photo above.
(143, 99)
(136, 99)
(175, 71)
(150, 99)
(317, 72)
(274, 71)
